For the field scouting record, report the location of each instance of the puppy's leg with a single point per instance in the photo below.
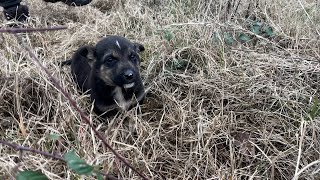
(63, 63)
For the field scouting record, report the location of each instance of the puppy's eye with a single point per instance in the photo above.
(133, 57)
(109, 60)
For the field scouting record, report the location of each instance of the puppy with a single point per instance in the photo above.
(110, 73)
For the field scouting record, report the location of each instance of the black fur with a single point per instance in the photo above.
(108, 72)
(68, 62)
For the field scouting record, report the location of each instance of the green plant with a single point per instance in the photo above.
(315, 110)
(74, 162)
(256, 28)
(31, 175)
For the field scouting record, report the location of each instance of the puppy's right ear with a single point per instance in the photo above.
(89, 53)
(139, 47)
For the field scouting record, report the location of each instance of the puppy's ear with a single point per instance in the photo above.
(139, 47)
(89, 53)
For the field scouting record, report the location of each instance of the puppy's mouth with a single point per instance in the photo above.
(128, 86)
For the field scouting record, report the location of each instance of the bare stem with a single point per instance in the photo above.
(29, 30)
(23, 148)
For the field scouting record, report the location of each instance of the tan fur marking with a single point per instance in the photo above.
(122, 103)
(115, 54)
(105, 75)
(119, 99)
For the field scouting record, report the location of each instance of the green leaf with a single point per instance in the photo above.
(269, 31)
(244, 37)
(228, 38)
(256, 28)
(31, 175)
(216, 36)
(77, 164)
(259, 24)
(315, 110)
(179, 64)
(168, 35)
(54, 136)
(99, 176)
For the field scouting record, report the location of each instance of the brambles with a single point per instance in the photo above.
(74, 162)
(257, 31)
(80, 166)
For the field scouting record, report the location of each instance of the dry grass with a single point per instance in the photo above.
(214, 111)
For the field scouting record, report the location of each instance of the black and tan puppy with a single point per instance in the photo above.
(110, 72)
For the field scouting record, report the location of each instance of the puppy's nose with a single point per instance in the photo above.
(129, 75)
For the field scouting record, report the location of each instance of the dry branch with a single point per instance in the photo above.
(30, 30)
(23, 148)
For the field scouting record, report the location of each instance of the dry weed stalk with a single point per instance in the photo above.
(29, 30)
(23, 148)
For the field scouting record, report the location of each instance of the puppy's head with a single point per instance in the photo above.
(117, 62)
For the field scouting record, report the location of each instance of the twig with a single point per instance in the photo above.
(54, 156)
(297, 174)
(73, 103)
(29, 30)
(23, 148)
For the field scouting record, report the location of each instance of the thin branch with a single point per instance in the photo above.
(73, 103)
(23, 148)
(297, 174)
(53, 156)
(30, 30)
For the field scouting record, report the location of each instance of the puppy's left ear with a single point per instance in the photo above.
(88, 52)
(139, 47)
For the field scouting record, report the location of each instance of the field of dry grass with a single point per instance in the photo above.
(224, 102)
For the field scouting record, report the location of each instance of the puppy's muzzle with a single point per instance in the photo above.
(129, 77)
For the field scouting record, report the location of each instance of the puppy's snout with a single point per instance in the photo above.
(129, 75)
(129, 78)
